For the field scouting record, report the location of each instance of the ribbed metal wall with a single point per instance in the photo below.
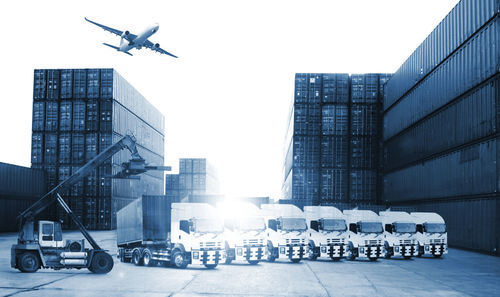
(333, 141)
(441, 149)
(77, 113)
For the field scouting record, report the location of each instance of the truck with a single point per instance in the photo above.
(152, 230)
(432, 235)
(400, 234)
(285, 232)
(365, 235)
(327, 232)
(244, 232)
(40, 244)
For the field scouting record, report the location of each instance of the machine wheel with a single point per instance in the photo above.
(137, 258)
(179, 260)
(295, 260)
(253, 262)
(407, 257)
(147, 258)
(335, 259)
(210, 266)
(373, 259)
(28, 262)
(387, 251)
(101, 263)
(351, 256)
(437, 256)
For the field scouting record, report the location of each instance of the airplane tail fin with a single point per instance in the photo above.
(116, 48)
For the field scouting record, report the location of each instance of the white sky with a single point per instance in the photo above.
(227, 96)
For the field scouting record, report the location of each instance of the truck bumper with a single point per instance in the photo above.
(252, 253)
(405, 250)
(376, 251)
(291, 251)
(435, 249)
(206, 257)
(332, 251)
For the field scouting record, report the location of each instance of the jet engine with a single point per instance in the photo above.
(157, 45)
(125, 34)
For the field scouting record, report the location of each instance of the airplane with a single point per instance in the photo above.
(129, 41)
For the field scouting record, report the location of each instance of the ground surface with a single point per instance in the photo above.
(459, 273)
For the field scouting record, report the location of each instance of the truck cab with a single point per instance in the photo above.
(197, 234)
(400, 234)
(327, 232)
(431, 233)
(244, 232)
(286, 231)
(365, 235)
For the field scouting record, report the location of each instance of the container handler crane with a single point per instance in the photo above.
(40, 243)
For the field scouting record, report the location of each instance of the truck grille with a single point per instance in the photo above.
(373, 242)
(295, 240)
(210, 244)
(406, 241)
(437, 241)
(253, 241)
(335, 240)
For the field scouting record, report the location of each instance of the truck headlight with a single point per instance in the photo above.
(239, 251)
(427, 248)
(396, 249)
(361, 250)
(196, 255)
(282, 250)
(323, 249)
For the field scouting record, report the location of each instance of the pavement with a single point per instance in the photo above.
(460, 273)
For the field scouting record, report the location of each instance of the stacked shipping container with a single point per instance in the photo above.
(333, 139)
(77, 113)
(441, 124)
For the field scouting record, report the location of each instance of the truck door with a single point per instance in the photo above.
(50, 234)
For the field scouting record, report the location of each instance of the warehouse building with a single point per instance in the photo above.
(19, 188)
(196, 176)
(441, 126)
(332, 146)
(77, 113)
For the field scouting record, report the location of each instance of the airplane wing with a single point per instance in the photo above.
(157, 49)
(114, 31)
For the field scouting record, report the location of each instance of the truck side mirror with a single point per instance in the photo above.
(420, 228)
(353, 228)
(315, 225)
(272, 224)
(388, 228)
(184, 226)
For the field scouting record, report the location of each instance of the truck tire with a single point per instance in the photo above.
(407, 257)
(147, 258)
(351, 256)
(253, 262)
(437, 256)
(210, 266)
(388, 251)
(28, 262)
(295, 260)
(101, 263)
(270, 249)
(335, 259)
(179, 260)
(372, 259)
(137, 258)
(311, 255)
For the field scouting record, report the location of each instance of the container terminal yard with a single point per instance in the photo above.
(388, 187)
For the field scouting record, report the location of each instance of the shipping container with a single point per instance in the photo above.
(39, 84)
(363, 185)
(185, 165)
(17, 182)
(334, 184)
(301, 88)
(50, 149)
(335, 120)
(335, 88)
(65, 113)
(470, 170)
(53, 84)
(365, 120)
(51, 116)
(38, 116)
(36, 148)
(66, 83)
(106, 83)
(476, 61)
(93, 83)
(334, 151)
(364, 152)
(77, 188)
(64, 148)
(146, 219)
(464, 20)
(77, 148)
(79, 116)
(79, 83)
(92, 116)
(471, 117)
(91, 146)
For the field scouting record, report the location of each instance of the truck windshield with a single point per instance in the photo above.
(294, 224)
(405, 227)
(435, 227)
(370, 227)
(334, 225)
(208, 226)
(250, 224)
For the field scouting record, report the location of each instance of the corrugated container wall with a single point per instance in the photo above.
(19, 188)
(196, 176)
(77, 113)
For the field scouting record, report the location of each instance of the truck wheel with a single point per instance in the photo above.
(210, 266)
(228, 260)
(147, 258)
(295, 260)
(373, 259)
(28, 262)
(351, 256)
(101, 263)
(270, 249)
(136, 258)
(335, 259)
(437, 256)
(253, 262)
(407, 257)
(179, 260)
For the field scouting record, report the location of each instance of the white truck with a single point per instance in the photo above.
(400, 234)
(244, 232)
(366, 235)
(152, 230)
(327, 232)
(431, 234)
(285, 233)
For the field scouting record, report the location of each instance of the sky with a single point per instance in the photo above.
(227, 97)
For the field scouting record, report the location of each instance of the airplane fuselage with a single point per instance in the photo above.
(126, 45)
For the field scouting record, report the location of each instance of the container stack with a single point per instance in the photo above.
(441, 126)
(196, 177)
(77, 113)
(332, 155)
